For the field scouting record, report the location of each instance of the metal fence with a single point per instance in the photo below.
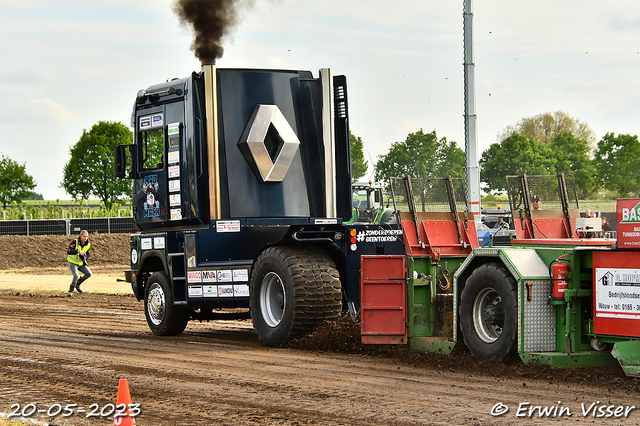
(429, 194)
(103, 225)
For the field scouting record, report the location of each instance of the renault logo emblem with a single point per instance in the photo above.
(268, 166)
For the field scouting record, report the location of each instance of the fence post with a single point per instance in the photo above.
(27, 227)
(108, 225)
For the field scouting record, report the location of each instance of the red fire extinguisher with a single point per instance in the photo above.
(559, 272)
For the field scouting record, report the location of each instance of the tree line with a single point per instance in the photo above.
(548, 143)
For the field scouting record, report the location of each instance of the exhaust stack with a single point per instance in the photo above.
(211, 108)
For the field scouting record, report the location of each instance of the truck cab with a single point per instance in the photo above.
(241, 187)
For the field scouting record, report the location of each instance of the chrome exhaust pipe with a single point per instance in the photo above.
(211, 126)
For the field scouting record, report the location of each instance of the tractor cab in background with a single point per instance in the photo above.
(368, 204)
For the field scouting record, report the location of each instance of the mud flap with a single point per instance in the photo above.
(628, 355)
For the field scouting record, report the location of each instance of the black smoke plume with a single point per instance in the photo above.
(211, 21)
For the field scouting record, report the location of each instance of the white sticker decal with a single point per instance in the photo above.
(228, 226)
(225, 290)
(195, 291)
(158, 242)
(191, 262)
(241, 290)
(209, 277)
(240, 275)
(379, 235)
(145, 243)
(225, 276)
(176, 214)
(156, 120)
(618, 293)
(174, 171)
(174, 200)
(145, 122)
(194, 276)
(173, 129)
(325, 221)
(174, 185)
(210, 290)
(174, 157)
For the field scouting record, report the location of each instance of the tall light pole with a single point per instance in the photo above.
(471, 133)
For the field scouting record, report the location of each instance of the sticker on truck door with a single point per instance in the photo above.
(228, 226)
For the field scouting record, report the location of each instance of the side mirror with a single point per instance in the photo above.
(120, 154)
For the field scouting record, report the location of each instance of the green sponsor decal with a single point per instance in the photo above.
(631, 215)
(173, 129)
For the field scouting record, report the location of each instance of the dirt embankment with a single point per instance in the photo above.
(50, 251)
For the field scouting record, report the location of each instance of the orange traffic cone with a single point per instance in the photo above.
(124, 397)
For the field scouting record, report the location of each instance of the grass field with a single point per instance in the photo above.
(493, 202)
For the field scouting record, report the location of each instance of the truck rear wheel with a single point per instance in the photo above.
(163, 317)
(293, 290)
(488, 313)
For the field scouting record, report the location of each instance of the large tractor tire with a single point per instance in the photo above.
(163, 317)
(488, 313)
(293, 289)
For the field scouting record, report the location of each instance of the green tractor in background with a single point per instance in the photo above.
(368, 204)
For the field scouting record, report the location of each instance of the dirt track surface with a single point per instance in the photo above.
(58, 350)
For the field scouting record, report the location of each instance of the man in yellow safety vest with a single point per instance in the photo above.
(77, 255)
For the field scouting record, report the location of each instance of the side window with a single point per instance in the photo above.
(151, 142)
(152, 149)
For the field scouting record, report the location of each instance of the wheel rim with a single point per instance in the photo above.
(272, 299)
(156, 304)
(488, 315)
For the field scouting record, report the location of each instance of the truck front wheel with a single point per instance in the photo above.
(163, 317)
(488, 313)
(293, 290)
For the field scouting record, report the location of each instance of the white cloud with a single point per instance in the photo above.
(48, 107)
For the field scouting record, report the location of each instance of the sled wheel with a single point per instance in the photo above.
(488, 313)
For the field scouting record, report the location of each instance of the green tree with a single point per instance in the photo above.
(36, 196)
(421, 155)
(90, 169)
(543, 128)
(617, 160)
(515, 155)
(15, 184)
(573, 157)
(358, 164)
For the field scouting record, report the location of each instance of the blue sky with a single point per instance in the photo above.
(68, 64)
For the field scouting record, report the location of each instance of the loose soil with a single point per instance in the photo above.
(60, 350)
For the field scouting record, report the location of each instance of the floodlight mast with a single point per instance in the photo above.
(471, 134)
